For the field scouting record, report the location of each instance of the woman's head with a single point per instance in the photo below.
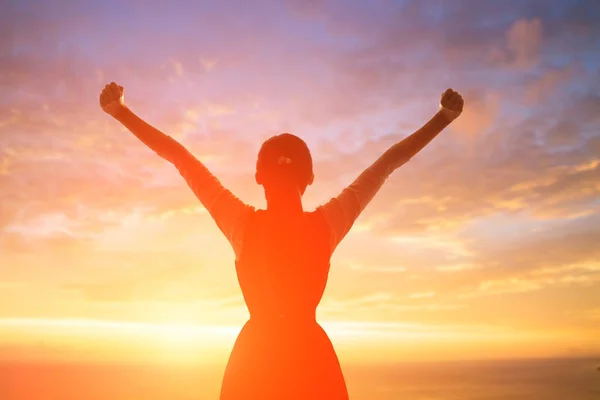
(284, 161)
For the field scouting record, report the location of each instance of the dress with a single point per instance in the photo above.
(282, 264)
(282, 352)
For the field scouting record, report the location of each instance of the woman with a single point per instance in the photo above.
(283, 252)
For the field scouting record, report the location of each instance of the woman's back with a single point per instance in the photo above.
(282, 352)
(284, 263)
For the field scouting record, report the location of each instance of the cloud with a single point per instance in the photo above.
(480, 113)
(523, 43)
(563, 256)
(564, 244)
(505, 201)
(4, 166)
(164, 279)
(422, 295)
(535, 282)
(381, 301)
(105, 292)
(450, 182)
(593, 314)
(209, 64)
(178, 68)
(542, 90)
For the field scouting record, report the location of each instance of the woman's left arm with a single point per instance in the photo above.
(342, 211)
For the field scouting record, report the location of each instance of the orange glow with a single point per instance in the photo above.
(484, 245)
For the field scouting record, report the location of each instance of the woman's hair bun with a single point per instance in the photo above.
(285, 158)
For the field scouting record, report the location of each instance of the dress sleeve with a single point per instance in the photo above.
(229, 212)
(341, 212)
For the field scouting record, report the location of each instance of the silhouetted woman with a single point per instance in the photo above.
(282, 253)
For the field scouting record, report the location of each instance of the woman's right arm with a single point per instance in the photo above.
(226, 209)
(162, 144)
(112, 102)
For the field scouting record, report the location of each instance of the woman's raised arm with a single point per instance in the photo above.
(342, 211)
(226, 209)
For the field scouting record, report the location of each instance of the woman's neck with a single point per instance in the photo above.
(284, 202)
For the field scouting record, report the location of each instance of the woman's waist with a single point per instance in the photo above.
(284, 316)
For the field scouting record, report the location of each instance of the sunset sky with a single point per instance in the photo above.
(485, 245)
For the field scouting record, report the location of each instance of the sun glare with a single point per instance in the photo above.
(357, 340)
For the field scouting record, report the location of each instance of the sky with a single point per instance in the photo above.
(484, 245)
